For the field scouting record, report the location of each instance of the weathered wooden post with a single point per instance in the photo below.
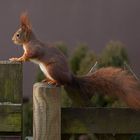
(46, 112)
(10, 99)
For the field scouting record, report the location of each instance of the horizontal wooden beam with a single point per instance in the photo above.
(4, 109)
(100, 120)
(19, 133)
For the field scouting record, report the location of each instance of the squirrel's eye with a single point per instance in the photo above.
(17, 35)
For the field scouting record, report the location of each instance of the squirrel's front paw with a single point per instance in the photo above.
(14, 59)
(20, 59)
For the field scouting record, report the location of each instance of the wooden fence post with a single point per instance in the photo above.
(10, 99)
(46, 112)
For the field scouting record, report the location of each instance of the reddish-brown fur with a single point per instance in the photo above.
(113, 82)
(25, 22)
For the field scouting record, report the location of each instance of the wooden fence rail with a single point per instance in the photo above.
(100, 120)
(105, 123)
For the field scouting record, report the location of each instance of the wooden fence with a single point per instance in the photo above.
(105, 123)
(10, 100)
(50, 120)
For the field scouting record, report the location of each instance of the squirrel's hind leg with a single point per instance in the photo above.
(44, 81)
(50, 82)
(53, 83)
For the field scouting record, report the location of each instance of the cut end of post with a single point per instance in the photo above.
(41, 84)
(9, 62)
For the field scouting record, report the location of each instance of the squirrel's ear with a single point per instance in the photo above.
(25, 22)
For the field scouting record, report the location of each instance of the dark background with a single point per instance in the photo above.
(94, 22)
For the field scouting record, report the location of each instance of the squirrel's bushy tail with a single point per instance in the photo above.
(111, 81)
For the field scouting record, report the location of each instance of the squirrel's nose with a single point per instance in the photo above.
(12, 38)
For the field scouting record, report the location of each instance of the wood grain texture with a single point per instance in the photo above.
(10, 96)
(100, 120)
(46, 112)
(10, 82)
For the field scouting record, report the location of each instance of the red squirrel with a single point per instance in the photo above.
(54, 65)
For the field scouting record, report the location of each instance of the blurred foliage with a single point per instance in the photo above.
(62, 47)
(87, 63)
(114, 54)
(77, 56)
(65, 100)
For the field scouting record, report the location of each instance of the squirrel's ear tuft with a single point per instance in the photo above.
(25, 22)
